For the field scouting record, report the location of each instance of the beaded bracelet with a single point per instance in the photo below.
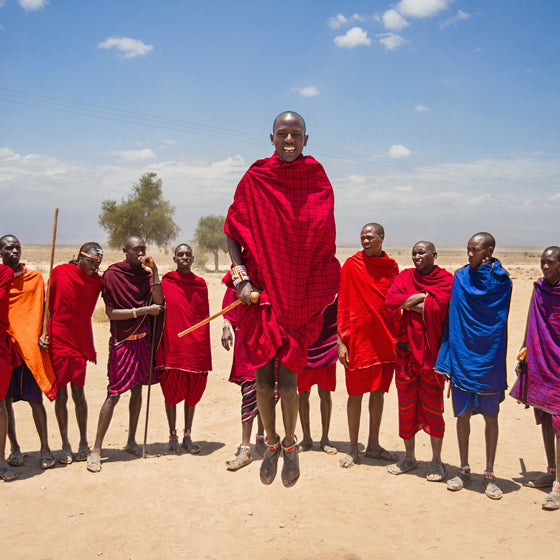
(134, 315)
(239, 274)
(156, 284)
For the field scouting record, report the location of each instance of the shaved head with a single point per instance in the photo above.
(182, 245)
(553, 251)
(486, 238)
(378, 228)
(285, 113)
(132, 240)
(428, 244)
(4, 240)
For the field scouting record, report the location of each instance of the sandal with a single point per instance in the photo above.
(552, 501)
(462, 479)
(83, 452)
(269, 463)
(242, 460)
(93, 463)
(65, 458)
(491, 489)
(173, 446)
(47, 460)
(16, 458)
(290, 468)
(545, 480)
(189, 446)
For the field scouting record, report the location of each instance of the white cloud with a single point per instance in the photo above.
(337, 21)
(404, 188)
(357, 179)
(32, 5)
(422, 8)
(354, 37)
(392, 41)
(128, 47)
(310, 91)
(421, 108)
(398, 151)
(454, 20)
(170, 142)
(133, 155)
(393, 21)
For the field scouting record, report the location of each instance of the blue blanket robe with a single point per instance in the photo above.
(473, 351)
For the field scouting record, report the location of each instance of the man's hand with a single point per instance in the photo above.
(43, 342)
(227, 337)
(244, 290)
(148, 262)
(342, 350)
(153, 309)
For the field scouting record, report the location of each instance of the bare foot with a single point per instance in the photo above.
(83, 452)
(189, 446)
(328, 448)
(6, 473)
(47, 460)
(437, 473)
(65, 456)
(305, 445)
(16, 458)
(349, 460)
(381, 454)
(290, 468)
(134, 449)
(403, 466)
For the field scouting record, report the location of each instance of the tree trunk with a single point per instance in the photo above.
(216, 261)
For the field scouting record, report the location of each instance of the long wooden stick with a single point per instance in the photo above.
(150, 369)
(47, 298)
(255, 296)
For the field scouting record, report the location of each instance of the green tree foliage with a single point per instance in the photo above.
(143, 212)
(210, 237)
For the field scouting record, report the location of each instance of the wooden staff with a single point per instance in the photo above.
(255, 297)
(47, 299)
(150, 369)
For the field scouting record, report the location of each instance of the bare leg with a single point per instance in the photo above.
(61, 412)
(463, 433)
(40, 418)
(289, 400)
(80, 404)
(187, 440)
(14, 445)
(306, 442)
(376, 401)
(264, 382)
(6, 473)
(552, 501)
(409, 461)
(326, 412)
(259, 441)
(549, 440)
(491, 436)
(246, 429)
(353, 411)
(171, 412)
(134, 407)
(105, 416)
(243, 456)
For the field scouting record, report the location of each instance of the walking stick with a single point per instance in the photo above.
(255, 296)
(152, 344)
(47, 298)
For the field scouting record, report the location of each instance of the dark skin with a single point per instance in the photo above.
(289, 139)
(90, 266)
(423, 256)
(11, 254)
(135, 254)
(479, 251)
(372, 243)
(550, 267)
(184, 259)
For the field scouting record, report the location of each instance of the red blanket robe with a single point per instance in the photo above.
(283, 217)
(186, 303)
(8, 356)
(27, 296)
(422, 331)
(363, 324)
(72, 301)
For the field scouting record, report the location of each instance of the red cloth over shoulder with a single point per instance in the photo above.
(9, 358)
(186, 303)
(422, 331)
(72, 301)
(363, 324)
(283, 217)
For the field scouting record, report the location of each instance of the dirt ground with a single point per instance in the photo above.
(190, 506)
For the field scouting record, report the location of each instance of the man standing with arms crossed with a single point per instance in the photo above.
(281, 240)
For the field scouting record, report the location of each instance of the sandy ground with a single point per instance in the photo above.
(191, 507)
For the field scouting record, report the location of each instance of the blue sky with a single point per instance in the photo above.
(437, 118)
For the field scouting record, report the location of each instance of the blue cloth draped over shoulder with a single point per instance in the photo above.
(473, 351)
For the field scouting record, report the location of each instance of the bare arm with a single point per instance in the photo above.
(157, 292)
(414, 303)
(342, 350)
(133, 313)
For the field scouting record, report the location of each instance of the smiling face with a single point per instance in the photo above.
(11, 252)
(372, 241)
(183, 258)
(423, 256)
(478, 251)
(550, 265)
(289, 136)
(134, 248)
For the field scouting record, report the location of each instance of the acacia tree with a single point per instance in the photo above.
(143, 212)
(209, 236)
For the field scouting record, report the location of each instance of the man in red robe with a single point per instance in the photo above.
(132, 294)
(184, 362)
(423, 294)
(366, 338)
(281, 239)
(75, 289)
(8, 360)
(34, 374)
